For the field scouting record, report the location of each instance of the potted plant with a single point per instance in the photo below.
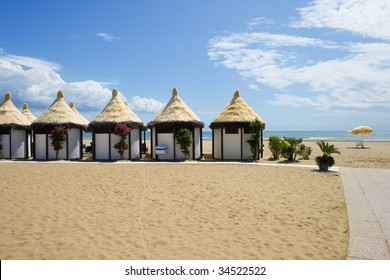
(326, 160)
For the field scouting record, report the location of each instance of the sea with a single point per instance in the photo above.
(341, 135)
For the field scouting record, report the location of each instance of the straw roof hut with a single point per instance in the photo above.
(175, 115)
(82, 118)
(13, 130)
(236, 113)
(116, 112)
(10, 117)
(59, 113)
(231, 130)
(27, 113)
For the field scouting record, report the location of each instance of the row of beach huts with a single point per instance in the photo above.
(22, 135)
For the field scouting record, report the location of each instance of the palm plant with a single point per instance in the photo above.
(290, 147)
(326, 160)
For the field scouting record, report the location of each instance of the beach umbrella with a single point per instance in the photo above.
(363, 129)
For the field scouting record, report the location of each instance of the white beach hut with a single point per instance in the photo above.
(230, 130)
(102, 127)
(27, 113)
(13, 130)
(58, 114)
(175, 115)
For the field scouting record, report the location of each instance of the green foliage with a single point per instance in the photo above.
(122, 131)
(290, 147)
(58, 137)
(304, 151)
(254, 141)
(326, 160)
(184, 138)
(275, 146)
(327, 149)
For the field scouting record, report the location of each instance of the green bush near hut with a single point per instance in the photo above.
(58, 137)
(304, 151)
(254, 141)
(275, 146)
(290, 147)
(183, 137)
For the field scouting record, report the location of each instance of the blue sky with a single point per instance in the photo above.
(301, 65)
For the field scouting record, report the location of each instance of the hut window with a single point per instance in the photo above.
(164, 129)
(231, 130)
(247, 130)
(4, 130)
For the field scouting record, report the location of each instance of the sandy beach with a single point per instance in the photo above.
(192, 210)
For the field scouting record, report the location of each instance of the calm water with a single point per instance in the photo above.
(307, 135)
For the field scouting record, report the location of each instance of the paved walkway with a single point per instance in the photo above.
(367, 195)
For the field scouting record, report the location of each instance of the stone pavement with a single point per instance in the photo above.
(367, 195)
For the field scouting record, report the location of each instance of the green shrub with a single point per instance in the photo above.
(275, 146)
(326, 160)
(254, 141)
(184, 138)
(290, 147)
(58, 137)
(304, 151)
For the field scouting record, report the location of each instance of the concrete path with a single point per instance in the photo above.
(367, 195)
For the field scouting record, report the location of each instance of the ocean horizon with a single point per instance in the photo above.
(340, 135)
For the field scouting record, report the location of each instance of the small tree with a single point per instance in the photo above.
(290, 147)
(184, 138)
(58, 137)
(122, 130)
(304, 151)
(275, 146)
(254, 141)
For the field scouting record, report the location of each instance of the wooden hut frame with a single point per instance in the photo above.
(14, 127)
(102, 127)
(174, 116)
(59, 113)
(230, 130)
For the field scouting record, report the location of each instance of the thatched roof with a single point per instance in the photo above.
(116, 111)
(236, 113)
(58, 113)
(10, 117)
(27, 113)
(176, 113)
(82, 118)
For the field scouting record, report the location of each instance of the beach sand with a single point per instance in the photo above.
(192, 210)
(170, 211)
(374, 155)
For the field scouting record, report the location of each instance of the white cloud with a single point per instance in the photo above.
(354, 75)
(259, 21)
(146, 105)
(36, 82)
(364, 17)
(253, 87)
(107, 37)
